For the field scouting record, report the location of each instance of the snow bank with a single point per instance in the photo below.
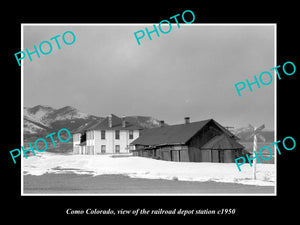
(139, 167)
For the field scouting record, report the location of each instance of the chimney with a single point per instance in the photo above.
(161, 123)
(187, 120)
(123, 122)
(110, 120)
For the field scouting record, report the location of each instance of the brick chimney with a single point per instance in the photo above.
(110, 120)
(161, 123)
(187, 120)
(123, 122)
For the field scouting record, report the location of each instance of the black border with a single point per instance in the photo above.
(53, 207)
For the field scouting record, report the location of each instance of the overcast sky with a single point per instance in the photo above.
(190, 71)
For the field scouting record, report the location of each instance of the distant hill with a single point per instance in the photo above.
(143, 121)
(243, 133)
(41, 120)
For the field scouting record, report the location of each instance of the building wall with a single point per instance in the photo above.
(177, 153)
(94, 142)
(202, 137)
(76, 142)
(192, 152)
(197, 154)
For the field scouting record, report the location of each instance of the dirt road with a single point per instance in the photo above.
(119, 184)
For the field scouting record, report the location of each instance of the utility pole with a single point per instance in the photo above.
(254, 150)
(255, 132)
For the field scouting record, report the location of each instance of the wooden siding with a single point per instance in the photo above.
(198, 140)
(191, 151)
(175, 153)
(217, 156)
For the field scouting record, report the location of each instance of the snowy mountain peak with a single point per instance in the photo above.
(143, 121)
(66, 109)
(43, 119)
(39, 108)
(46, 114)
(38, 113)
(244, 133)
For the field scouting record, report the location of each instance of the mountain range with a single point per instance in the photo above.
(42, 120)
(244, 134)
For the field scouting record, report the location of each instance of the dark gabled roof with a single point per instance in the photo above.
(222, 142)
(226, 131)
(116, 124)
(173, 134)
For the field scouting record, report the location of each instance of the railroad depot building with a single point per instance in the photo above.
(203, 141)
(112, 135)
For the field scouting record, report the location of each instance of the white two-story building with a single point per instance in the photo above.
(113, 135)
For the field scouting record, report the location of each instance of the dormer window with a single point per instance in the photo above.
(131, 134)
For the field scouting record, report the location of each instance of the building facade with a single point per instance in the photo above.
(113, 135)
(203, 141)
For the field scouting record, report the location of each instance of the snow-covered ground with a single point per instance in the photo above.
(139, 167)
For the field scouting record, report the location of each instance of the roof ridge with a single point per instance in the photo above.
(116, 123)
(179, 133)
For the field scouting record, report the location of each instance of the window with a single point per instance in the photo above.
(91, 136)
(221, 156)
(102, 134)
(76, 150)
(117, 148)
(77, 137)
(103, 149)
(131, 134)
(117, 134)
(83, 137)
(92, 152)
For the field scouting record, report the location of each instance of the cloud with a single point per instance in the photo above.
(191, 70)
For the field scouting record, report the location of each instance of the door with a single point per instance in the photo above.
(175, 155)
(221, 156)
(117, 149)
(206, 156)
(228, 156)
(215, 156)
(166, 155)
